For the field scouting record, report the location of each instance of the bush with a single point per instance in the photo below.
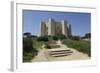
(28, 50)
(55, 38)
(42, 39)
(75, 38)
(47, 46)
(61, 37)
(27, 57)
(55, 46)
(27, 45)
(51, 42)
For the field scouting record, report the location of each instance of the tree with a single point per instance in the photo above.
(88, 35)
(27, 34)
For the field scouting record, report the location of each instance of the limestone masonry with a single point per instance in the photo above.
(55, 28)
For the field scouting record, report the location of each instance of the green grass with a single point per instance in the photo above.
(37, 44)
(82, 46)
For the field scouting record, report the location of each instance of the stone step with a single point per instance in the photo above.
(53, 53)
(60, 50)
(60, 55)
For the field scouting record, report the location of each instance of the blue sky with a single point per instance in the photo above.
(80, 22)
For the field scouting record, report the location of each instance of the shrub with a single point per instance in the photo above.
(27, 45)
(28, 50)
(61, 37)
(27, 57)
(51, 42)
(42, 39)
(75, 38)
(47, 46)
(55, 38)
(55, 46)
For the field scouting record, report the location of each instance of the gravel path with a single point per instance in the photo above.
(44, 56)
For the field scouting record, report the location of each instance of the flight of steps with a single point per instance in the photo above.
(60, 53)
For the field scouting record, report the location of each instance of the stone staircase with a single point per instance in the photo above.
(60, 53)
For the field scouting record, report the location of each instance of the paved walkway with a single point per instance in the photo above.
(44, 56)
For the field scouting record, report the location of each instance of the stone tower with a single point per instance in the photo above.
(69, 31)
(43, 29)
(64, 28)
(51, 27)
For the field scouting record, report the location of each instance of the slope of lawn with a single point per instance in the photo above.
(37, 44)
(80, 45)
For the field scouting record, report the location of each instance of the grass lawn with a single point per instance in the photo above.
(81, 45)
(37, 44)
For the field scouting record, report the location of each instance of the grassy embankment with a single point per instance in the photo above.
(80, 45)
(30, 48)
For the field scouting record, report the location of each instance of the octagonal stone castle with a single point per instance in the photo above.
(55, 28)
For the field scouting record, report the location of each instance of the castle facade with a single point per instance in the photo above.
(55, 28)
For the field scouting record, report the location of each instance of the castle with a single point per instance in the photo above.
(55, 28)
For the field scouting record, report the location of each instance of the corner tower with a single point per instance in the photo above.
(51, 27)
(64, 28)
(43, 29)
(69, 30)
